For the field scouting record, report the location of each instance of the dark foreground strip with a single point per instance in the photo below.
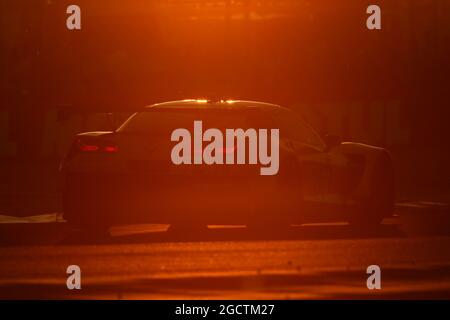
(230, 309)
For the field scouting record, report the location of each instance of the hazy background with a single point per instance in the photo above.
(388, 87)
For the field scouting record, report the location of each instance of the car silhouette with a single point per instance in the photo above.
(128, 176)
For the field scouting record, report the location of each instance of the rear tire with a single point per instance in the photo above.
(82, 211)
(380, 203)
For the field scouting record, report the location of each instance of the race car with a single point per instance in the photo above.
(192, 163)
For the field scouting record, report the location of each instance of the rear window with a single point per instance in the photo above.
(161, 122)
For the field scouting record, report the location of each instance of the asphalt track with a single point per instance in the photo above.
(229, 262)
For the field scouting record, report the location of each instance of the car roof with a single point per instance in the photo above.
(215, 104)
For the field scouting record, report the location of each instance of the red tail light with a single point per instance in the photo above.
(87, 148)
(110, 149)
(96, 147)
